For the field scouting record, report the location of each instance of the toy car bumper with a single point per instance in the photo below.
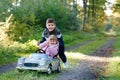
(43, 69)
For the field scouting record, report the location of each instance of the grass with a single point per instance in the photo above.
(113, 70)
(28, 75)
(89, 48)
(74, 37)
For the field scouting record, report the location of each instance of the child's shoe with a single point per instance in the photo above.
(65, 65)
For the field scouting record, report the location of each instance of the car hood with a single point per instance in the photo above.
(36, 58)
(31, 60)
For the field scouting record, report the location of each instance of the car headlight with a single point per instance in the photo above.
(20, 61)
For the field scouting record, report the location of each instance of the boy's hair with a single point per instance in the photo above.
(53, 37)
(50, 20)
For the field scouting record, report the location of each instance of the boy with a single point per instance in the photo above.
(51, 29)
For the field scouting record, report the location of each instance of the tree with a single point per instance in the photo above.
(93, 14)
(85, 11)
(31, 15)
(116, 6)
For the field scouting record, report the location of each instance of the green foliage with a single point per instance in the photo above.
(116, 47)
(7, 55)
(23, 32)
(117, 29)
(54, 9)
(5, 5)
(31, 17)
(116, 6)
(75, 37)
(11, 51)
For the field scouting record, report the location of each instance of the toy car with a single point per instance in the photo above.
(39, 62)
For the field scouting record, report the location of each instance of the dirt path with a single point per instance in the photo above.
(5, 68)
(91, 67)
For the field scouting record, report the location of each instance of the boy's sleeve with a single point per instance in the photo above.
(61, 41)
(43, 39)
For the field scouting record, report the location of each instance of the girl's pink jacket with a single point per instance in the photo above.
(51, 50)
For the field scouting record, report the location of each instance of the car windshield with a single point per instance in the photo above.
(38, 56)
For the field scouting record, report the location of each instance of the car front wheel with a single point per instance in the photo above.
(49, 70)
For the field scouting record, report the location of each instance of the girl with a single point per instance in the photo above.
(50, 46)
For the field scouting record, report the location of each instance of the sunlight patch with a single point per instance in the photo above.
(81, 56)
(114, 59)
(32, 42)
(74, 55)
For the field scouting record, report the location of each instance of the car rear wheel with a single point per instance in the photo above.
(59, 68)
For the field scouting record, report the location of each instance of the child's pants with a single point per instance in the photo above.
(61, 53)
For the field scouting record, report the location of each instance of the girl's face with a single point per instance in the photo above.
(50, 26)
(52, 41)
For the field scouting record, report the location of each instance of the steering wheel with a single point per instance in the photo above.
(41, 51)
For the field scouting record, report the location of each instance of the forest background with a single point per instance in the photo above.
(22, 22)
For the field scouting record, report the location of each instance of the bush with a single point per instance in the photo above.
(7, 55)
(31, 15)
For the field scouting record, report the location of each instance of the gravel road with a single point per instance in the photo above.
(91, 67)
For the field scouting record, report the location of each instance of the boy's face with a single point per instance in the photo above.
(50, 26)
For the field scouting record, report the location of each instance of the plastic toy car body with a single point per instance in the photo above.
(39, 62)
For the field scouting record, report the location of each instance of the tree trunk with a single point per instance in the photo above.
(75, 5)
(63, 1)
(84, 17)
(93, 12)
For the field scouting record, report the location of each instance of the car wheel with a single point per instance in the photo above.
(59, 68)
(49, 70)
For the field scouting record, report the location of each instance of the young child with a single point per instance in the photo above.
(50, 46)
(51, 29)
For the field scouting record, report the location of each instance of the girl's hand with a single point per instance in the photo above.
(48, 41)
(38, 43)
